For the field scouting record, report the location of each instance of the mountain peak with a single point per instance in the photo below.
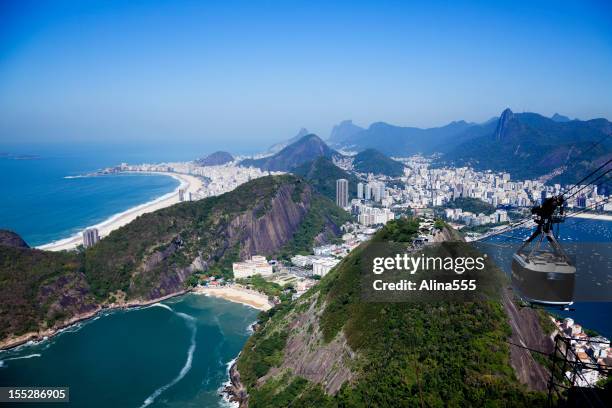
(307, 148)
(560, 118)
(343, 131)
(303, 132)
(502, 124)
(216, 159)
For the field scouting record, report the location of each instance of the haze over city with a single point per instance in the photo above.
(253, 73)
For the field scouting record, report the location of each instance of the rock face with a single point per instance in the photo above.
(307, 356)
(527, 331)
(268, 233)
(216, 159)
(11, 239)
(502, 124)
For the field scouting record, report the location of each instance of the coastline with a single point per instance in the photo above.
(17, 341)
(188, 182)
(234, 293)
(237, 294)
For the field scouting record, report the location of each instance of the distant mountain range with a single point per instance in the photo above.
(527, 145)
(300, 156)
(397, 140)
(216, 159)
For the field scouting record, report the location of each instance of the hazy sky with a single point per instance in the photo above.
(246, 72)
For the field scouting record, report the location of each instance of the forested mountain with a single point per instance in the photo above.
(322, 173)
(306, 149)
(529, 145)
(155, 254)
(333, 348)
(373, 161)
(216, 159)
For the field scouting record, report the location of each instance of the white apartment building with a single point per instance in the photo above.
(322, 266)
(257, 265)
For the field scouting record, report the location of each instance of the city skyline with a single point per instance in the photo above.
(255, 73)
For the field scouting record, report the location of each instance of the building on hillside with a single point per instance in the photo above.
(257, 265)
(342, 193)
(323, 265)
(360, 191)
(90, 237)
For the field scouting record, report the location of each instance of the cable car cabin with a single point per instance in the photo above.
(541, 273)
(544, 278)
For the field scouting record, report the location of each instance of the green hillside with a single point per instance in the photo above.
(154, 255)
(410, 354)
(322, 173)
(529, 145)
(373, 161)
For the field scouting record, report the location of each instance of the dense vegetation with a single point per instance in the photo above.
(529, 145)
(320, 226)
(24, 274)
(155, 254)
(373, 161)
(410, 354)
(322, 173)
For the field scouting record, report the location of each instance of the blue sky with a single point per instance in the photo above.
(247, 73)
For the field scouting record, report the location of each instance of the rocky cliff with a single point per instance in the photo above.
(11, 239)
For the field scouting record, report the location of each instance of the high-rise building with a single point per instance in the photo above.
(90, 237)
(342, 193)
(360, 190)
(368, 192)
(181, 194)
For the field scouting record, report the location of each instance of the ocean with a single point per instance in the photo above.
(174, 354)
(171, 354)
(42, 205)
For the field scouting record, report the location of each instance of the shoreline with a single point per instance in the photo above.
(237, 294)
(188, 182)
(234, 293)
(9, 344)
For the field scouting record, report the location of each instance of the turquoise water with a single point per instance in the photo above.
(40, 204)
(173, 354)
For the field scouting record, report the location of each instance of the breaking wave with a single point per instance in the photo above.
(190, 321)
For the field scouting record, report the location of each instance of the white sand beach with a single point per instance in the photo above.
(238, 294)
(189, 183)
